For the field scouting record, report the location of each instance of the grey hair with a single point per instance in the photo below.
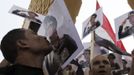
(50, 24)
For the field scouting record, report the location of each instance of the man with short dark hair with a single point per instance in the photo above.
(86, 55)
(25, 50)
(112, 58)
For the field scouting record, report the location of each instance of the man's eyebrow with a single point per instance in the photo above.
(96, 62)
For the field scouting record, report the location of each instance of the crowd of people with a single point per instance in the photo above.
(30, 54)
(99, 65)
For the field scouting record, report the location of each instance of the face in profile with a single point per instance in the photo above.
(36, 43)
(101, 66)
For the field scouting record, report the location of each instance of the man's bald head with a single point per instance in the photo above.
(100, 65)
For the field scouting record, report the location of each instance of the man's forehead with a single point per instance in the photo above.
(100, 58)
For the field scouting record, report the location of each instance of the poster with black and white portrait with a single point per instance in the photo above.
(93, 22)
(124, 25)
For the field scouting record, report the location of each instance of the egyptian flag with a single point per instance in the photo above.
(109, 31)
(108, 45)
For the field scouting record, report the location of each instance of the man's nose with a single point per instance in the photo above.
(102, 65)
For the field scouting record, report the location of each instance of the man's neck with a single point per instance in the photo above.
(31, 60)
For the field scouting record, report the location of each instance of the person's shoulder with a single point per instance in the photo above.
(6, 70)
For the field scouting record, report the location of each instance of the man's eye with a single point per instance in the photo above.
(96, 63)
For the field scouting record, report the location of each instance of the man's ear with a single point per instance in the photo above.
(22, 44)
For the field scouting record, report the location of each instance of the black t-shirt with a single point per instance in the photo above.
(20, 70)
